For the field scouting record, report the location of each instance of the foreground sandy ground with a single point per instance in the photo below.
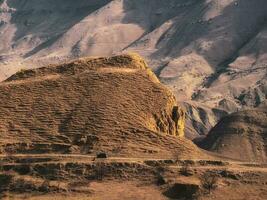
(85, 177)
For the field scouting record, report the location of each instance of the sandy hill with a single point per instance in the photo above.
(115, 105)
(211, 52)
(242, 135)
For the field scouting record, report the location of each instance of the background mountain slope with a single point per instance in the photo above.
(241, 135)
(209, 52)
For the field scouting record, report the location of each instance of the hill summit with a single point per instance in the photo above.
(113, 104)
(241, 135)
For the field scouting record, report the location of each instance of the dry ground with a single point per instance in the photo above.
(56, 119)
(85, 177)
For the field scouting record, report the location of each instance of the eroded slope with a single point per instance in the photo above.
(116, 105)
(210, 51)
(241, 135)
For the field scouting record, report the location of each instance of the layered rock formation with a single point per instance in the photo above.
(242, 135)
(113, 104)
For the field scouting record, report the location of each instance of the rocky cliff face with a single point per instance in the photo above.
(114, 104)
(210, 52)
(171, 121)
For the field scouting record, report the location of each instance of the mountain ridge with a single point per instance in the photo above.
(210, 52)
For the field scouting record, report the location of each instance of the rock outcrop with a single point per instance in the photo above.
(242, 136)
(114, 104)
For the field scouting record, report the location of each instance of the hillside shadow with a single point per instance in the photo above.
(47, 18)
(237, 24)
(151, 14)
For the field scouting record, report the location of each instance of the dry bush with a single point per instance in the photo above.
(186, 170)
(209, 181)
(5, 181)
(22, 185)
(160, 180)
(99, 171)
(197, 195)
(9, 155)
(45, 186)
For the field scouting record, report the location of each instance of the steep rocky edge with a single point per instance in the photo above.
(114, 104)
(242, 135)
(199, 119)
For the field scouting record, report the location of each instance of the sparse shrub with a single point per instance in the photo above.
(229, 174)
(9, 155)
(5, 180)
(21, 185)
(23, 169)
(197, 195)
(185, 170)
(102, 155)
(45, 186)
(160, 169)
(22, 70)
(209, 181)
(176, 158)
(100, 171)
(160, 180)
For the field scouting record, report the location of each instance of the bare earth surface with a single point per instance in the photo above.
(242, 135)
(106, 128)
(84, 177)
(211, 53)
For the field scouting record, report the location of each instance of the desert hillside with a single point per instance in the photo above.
(211, 52)
(114, 105)
(106, 128)
(241, 135)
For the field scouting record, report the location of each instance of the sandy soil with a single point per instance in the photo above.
(76, 178)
